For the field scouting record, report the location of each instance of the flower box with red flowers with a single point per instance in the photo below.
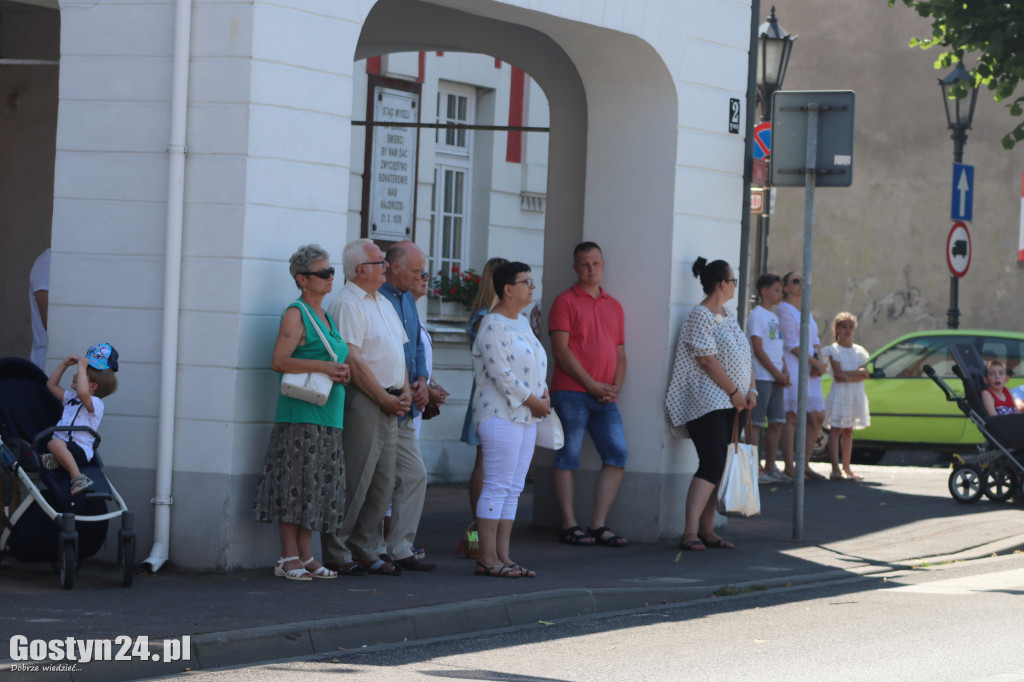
(456, 285)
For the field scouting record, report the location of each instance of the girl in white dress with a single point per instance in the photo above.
(847, 403)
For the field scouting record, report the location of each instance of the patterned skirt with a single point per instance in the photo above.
(303, 478)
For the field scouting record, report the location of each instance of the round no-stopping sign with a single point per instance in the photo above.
(958, 249)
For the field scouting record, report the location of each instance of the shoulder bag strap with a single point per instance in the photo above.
(319, 333)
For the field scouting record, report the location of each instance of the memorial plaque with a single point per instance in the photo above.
(393, 165)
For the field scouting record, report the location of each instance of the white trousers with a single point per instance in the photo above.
(507, 450)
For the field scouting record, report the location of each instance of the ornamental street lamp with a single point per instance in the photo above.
(959, 94)
(774, 48)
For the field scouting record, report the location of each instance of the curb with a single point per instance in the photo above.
(250, 645)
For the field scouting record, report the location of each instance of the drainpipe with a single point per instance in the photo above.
(172, 287)
(742, 295)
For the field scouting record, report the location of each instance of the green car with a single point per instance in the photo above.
(908, 410)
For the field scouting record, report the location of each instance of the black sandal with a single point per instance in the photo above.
(717, 543)
(524, 572)
(496, 571)
(575, 536)
(613, 541)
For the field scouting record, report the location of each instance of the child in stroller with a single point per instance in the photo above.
(996, 471)
(93, 381)
(50, 524)
(996, 397)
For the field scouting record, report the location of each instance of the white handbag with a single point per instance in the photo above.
(549, 432)
(310, 387)
(738, 495)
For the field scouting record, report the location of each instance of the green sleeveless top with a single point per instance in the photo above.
(292, 411)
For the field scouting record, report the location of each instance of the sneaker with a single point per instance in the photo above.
(765, 477)
(781, 477)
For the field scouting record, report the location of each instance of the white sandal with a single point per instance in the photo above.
(322, 572)
(291, 574)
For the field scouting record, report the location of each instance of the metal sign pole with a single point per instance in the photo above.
(800, 438)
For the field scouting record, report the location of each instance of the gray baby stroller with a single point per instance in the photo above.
(995, 471)
(51, 525)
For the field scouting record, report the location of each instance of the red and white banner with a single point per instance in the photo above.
(1020, 243)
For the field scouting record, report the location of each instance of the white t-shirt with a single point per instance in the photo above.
(428, 353)
(76, 415)
(38, 280)
(765, 324)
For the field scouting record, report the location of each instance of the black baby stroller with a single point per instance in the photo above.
(50, 524)
(995, 471)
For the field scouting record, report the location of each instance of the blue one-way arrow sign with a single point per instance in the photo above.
(962, 205)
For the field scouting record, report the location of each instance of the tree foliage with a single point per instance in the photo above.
(992, 28)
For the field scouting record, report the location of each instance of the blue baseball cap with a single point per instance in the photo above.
(102, 356)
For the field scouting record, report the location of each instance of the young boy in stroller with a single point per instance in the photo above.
(50, 524)
(996, 471)
(93, 381)
(995, 396)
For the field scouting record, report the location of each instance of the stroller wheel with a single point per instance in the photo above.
(999, 483)
(965, 483)
(67, 565)
(126, 561)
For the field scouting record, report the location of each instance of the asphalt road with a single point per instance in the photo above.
(958, 621)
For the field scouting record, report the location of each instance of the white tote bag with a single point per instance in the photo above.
(738, 495)
(549, 432)
(310, 387)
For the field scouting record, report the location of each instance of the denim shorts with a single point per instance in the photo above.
(581, 412)
(771, 404)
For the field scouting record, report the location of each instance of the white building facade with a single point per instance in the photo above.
(189, 163)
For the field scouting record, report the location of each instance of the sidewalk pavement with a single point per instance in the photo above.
(898, 517)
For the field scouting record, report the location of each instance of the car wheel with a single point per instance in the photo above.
(820, 452)
(867, 455)
(965, 483)
(1000, 482)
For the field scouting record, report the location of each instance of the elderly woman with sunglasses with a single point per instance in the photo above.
(302, 484)
(712, 380)
(511, 395)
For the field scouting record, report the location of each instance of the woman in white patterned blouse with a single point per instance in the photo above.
(511, 394)
(712, 379)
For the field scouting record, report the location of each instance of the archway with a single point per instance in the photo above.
(29, 58)
(611, 179)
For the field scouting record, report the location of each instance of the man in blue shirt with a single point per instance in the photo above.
(405, 265)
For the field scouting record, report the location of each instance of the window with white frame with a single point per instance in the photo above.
(449, 203)
(448, 217)
(455, 107)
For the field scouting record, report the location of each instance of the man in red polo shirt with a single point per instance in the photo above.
(587, 330)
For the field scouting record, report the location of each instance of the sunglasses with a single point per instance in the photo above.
(795, 280)
(424, 275)
(382, 263)
(326, 273)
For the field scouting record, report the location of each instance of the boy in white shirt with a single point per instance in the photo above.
(83, 406)
(769, 373)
